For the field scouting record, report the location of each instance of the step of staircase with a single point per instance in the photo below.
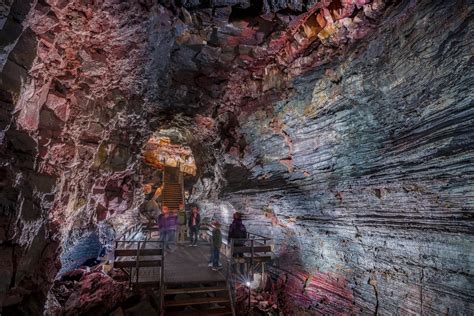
(193, 290)
(196, 301)
(172, 193)
(211, 311)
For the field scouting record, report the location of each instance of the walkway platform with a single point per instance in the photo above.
(186, 264)
(186, 283)
(182, 264)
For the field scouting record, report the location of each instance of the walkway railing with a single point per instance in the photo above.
(254, 243)
(131, 232)
(245, 256)
(137, 254)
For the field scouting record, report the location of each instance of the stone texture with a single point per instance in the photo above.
(88, 247)
(340, 128)
(80, 292)
(363, 175)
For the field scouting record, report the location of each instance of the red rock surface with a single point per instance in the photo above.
(79, 292)
(340, 128)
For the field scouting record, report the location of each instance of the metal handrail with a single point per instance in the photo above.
(137, 267)
(260, 236)
(231, 284)
(249, 234)
(131, 229)
(261, 240)
(181, 181)
(231, 276)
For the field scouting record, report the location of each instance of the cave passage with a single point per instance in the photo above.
(323, 150)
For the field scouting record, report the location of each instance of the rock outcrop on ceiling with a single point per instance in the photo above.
(343, 128)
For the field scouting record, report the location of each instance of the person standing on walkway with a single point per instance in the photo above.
(181, 224)
(163, 221)
(238, 233)
(216, 246)
(171, 223)
(193, 223)
(237, 230)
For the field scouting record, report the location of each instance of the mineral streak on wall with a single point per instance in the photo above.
(343, 129)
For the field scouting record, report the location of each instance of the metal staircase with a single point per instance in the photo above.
(173, 188)
(199, 298)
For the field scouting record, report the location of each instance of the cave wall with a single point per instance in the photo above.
(364, 174)
(67, 161)
(27, 251)
(340, 128)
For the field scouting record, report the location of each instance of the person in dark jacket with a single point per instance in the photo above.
(193, 224)
(216, 246)
(238, 233)
(237, 230)
(181, 221)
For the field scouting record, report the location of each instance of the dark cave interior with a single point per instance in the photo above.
(341, 129)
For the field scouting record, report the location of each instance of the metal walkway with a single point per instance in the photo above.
(181, 279)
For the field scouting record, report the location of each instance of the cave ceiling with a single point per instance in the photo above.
(192, 58)
(196, 65)
(342, 128)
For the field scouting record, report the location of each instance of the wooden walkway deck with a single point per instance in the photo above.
(183, 264)
(190, 265)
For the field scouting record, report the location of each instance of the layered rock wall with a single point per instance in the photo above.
(364, 175)
(343, 129)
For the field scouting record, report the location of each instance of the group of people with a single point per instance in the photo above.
(172, 226)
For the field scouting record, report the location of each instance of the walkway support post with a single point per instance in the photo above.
(252, 253)
(162, 278)
(137, 262)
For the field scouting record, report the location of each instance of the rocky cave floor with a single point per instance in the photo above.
(86, 291)
(342, 129)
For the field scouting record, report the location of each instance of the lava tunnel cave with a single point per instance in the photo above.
(236, 157)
